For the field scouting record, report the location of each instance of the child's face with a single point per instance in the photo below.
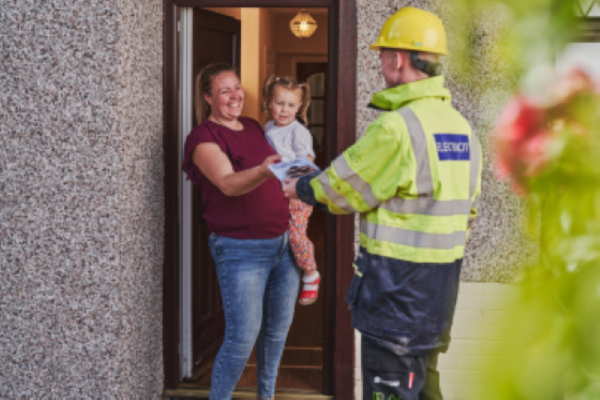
(285, 105)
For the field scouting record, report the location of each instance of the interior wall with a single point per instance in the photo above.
(258, 57)
(267, 55)
(291, 49)
(251, 61)
(287, 42)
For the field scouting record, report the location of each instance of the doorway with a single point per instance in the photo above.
(319, 356)
(215, 38)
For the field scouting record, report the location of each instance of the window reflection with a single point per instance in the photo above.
(316, 111)
(316, 115)
(317, 134)
(317, 84)
(588, 8)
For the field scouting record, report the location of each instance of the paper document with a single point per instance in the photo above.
(293, 169)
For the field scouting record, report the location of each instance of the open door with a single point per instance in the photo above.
(192, 336)
(315, 74)
(215, 38)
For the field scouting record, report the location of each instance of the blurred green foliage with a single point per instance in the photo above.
(525, 34)
(555, 320)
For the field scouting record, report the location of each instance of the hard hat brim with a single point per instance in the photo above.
(379, 46)
(413, 29)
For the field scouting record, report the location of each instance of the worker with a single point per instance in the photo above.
(415, 179)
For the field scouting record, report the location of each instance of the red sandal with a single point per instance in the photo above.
(310, 289)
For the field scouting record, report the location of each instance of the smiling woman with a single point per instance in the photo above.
(227, 156)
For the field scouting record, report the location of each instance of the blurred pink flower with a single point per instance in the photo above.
(535, 152)
(521, 138)
(526, 128)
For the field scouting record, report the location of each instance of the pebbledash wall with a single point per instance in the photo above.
(81, 198)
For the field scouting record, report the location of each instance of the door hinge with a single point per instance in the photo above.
(178, 26)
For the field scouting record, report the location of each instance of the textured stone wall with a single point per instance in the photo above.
(81, 207)
(141, 194)
(497, 247)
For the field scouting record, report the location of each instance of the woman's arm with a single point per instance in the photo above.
(215, 165)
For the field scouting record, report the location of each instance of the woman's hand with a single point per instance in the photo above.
(215, 165)
(295, 205)
(289, 188)
(264, 167)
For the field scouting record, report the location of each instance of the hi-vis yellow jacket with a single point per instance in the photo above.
(415, 178)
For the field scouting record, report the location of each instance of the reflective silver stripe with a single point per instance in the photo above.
(428, 206)
(334, 196)
(475, 163)
(423, 240)
(358, 184)
(419, 145)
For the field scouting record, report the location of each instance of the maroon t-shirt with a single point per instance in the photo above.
(262, 213)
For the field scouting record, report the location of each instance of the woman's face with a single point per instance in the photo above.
(227, 97)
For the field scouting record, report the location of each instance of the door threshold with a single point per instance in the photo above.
(244, 394)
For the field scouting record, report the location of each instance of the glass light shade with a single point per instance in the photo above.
(303, 25)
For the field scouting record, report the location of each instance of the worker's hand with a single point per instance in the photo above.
(295, 205)
(289, 188)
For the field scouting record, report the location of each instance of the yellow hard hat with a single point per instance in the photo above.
(413, 29)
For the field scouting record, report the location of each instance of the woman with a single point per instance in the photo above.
(247, 213)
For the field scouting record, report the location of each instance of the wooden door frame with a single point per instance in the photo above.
(338, 363)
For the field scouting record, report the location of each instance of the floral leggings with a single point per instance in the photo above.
(302, 247)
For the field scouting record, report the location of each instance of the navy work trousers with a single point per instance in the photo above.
(387, 376)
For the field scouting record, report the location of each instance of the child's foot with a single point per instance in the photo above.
(310, 289)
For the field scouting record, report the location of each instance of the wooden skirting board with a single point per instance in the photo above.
(243, 394)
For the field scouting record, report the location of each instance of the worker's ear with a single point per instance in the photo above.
(401, 59)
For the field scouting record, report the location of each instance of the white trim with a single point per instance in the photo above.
(185, 123)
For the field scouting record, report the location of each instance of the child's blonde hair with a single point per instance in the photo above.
(287, 83)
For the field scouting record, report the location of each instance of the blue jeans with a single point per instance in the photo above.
(259, 283)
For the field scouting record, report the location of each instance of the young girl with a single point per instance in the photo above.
(286, 101)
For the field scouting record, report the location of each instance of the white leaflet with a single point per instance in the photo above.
(294, 168)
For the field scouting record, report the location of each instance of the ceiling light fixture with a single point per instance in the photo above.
(303, 25)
